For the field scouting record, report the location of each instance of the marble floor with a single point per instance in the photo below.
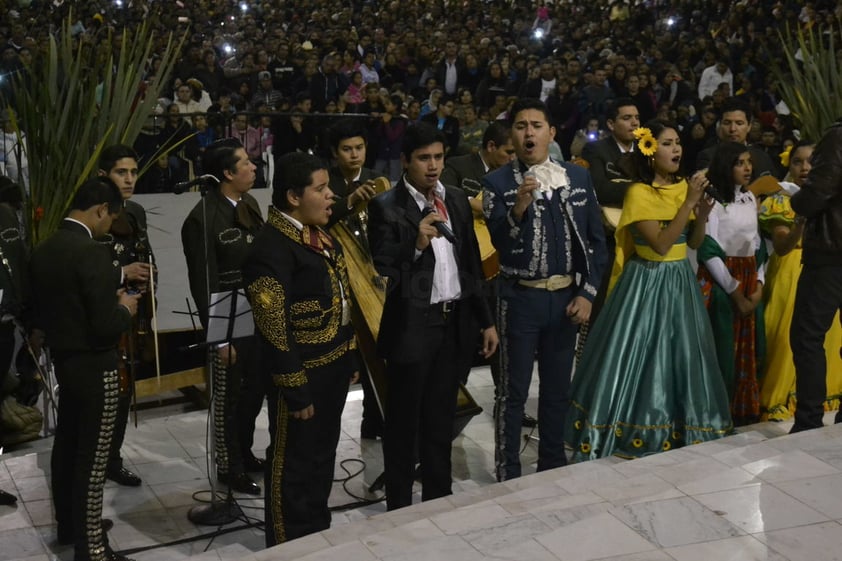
(760, 495)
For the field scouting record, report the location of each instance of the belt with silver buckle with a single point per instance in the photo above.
(550, 284)
(445, 307)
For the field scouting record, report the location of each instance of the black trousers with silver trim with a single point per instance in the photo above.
(88, 393)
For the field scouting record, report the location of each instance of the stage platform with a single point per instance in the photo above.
(759, 495)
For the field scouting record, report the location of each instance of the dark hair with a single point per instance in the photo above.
(221, 156)
(614, 108)
(497, 132)
(526, 103)
(396, 100)
(96, 191)
(110, 155)
(635, 165)
(419, 136)
(721, 168)
(801, 144)
(736, 104)
(346, 128)
(293, 172)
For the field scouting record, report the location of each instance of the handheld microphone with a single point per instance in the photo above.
(442, 228)
(537, 194)
(183, 186)
(712, 193)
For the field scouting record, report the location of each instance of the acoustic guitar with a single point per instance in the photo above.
(490, 259)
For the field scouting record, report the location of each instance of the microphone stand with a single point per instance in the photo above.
(217, 512)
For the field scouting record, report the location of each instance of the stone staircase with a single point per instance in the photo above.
(735, 494)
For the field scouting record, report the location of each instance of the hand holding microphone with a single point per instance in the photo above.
(439, 224)
(527, 192)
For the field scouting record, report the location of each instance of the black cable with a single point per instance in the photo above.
(361, 501)
(208, 535)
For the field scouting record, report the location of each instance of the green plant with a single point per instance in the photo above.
(809, 78)
(87, 93)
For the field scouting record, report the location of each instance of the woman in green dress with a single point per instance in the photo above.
(648, 379)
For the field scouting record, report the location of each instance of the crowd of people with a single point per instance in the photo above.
(587, 146)
(274, 76)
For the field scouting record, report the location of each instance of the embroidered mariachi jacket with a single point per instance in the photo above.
(128, 239)
(522, 245)
(296, 299)
(230, 232)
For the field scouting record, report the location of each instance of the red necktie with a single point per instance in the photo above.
(316, 238)
(439, 204)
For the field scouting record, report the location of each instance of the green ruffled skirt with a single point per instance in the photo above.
(648, 379)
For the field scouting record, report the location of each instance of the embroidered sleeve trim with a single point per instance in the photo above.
(268, 307)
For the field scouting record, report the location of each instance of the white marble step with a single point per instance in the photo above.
(665, 501)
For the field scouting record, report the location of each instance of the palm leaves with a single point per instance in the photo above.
(85, 95)
(810, 78)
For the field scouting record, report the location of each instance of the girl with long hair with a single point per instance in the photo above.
(648, 379)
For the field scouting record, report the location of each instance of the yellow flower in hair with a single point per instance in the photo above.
(647, 145)
(640, 132)
(784, 156)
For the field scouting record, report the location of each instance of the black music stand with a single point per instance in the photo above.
(229, 318)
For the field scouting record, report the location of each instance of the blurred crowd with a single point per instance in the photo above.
(274, 74)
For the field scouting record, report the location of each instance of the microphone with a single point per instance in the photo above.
(183, 186)
(442, 227)
(537, 194)
(713, 194)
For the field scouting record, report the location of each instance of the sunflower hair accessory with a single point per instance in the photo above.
(646, 143)
(784, 156)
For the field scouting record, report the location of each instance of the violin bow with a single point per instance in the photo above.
(154, 320)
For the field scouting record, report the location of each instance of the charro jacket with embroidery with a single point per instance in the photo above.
(522, 246)
(296, 298)
(230, 233)
(128, 238)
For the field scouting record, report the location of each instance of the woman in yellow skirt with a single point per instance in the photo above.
(779, 223)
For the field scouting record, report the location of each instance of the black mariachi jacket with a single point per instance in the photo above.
(820, 200)
(296, 297)
(230, 232)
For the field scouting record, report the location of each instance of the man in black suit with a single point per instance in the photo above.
(432, 317)
(466, 171)
(450, 69)
(230, 222)
(602, 155)
(734, 125)
(444, 120)
(83, 315)
(130, 250)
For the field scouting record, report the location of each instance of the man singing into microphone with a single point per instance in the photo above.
(433, 316)
(545, 222)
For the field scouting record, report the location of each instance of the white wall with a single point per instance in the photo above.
(165, 214)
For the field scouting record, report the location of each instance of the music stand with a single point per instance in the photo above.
(229, 318)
